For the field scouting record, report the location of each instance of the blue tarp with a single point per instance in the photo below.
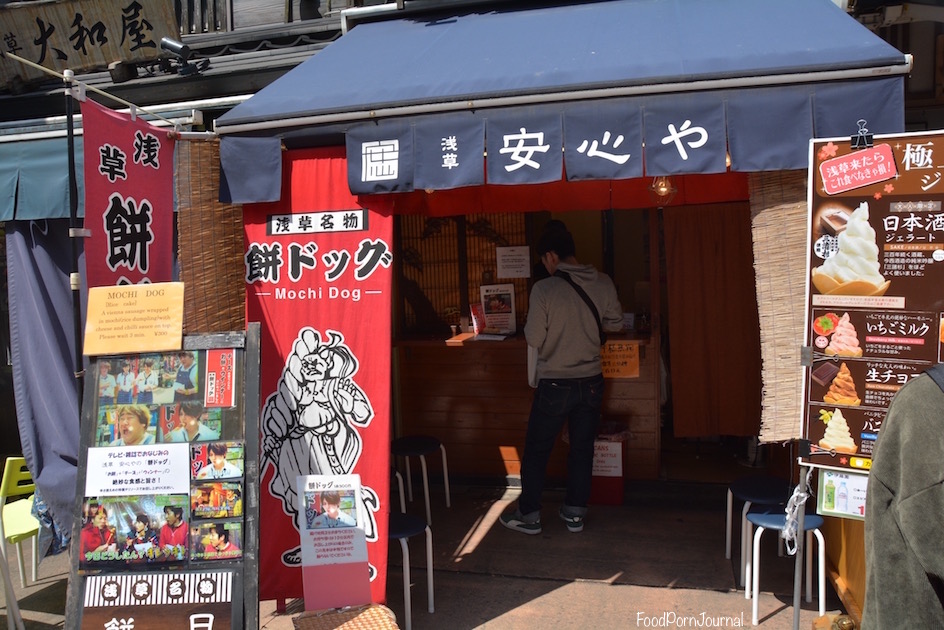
(767, 74)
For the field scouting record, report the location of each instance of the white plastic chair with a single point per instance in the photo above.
(18, 523)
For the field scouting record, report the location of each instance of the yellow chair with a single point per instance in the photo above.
(18, 523)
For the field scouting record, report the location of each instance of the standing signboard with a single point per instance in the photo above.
(875, 303)
(167, 488)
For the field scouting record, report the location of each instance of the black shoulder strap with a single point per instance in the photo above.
(937, 373)
(586, 298)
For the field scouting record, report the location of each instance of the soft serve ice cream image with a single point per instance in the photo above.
(837, 435)
(844, 341)
(854, 269)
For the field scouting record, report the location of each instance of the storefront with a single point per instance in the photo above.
(723, 98)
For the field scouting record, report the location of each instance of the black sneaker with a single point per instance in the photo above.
(574, 523)
(515, 520)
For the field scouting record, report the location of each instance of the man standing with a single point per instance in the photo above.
(566, 333)
(185, 385)
(173, 536)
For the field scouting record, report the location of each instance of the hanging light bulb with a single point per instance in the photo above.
(663, 190)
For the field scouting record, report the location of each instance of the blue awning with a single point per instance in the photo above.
(34, 179)
(760, 77)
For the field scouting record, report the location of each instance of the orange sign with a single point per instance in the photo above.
(620, 359)
(134, 318)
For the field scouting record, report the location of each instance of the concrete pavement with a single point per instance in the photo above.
(656, 560)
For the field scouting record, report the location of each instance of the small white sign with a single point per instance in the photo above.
(842, 494)
(146, 469)
(333, 529)
(513, 262)
(607, 459)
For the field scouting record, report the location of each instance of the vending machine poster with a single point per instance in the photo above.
(875, 307)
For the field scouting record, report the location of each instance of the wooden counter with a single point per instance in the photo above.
(475, 397)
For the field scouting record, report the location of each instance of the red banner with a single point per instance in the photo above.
(318, 278)
(129, 199)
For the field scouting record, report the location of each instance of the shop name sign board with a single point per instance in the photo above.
(530, 146)
(202, 601)
(81, 34)
(875, 307)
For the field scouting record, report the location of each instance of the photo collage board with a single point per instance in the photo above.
(165, 478)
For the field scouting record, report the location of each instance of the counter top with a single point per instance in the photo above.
(465, 338)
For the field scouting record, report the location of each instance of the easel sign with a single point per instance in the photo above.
(168, 525)
(875, 311)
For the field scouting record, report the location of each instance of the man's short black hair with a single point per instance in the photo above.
(558, 239)
(192, 409)
(221, 531)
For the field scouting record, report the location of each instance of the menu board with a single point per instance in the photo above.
(165, 474)
(875, 298)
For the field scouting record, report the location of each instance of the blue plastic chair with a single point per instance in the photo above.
(766, 517)
(756, 490)
(403, 527)
(421, 446)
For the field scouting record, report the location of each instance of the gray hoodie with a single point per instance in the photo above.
(562, 327)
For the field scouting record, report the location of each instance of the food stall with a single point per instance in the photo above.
(587, 138)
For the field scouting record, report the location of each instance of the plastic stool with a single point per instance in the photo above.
(760, 490)
(396, 475)
(421, 446)
(402, 527)
(765, 518)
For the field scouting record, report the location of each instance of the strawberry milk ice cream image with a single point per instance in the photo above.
(844, 341)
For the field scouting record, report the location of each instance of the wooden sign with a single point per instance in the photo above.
(81, 34)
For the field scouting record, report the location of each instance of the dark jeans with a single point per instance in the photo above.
(556, 401)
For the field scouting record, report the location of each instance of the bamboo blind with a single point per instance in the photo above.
(210, 244)
(779, 226)
(430, 256)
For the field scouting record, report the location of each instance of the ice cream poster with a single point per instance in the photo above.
(875, 308)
